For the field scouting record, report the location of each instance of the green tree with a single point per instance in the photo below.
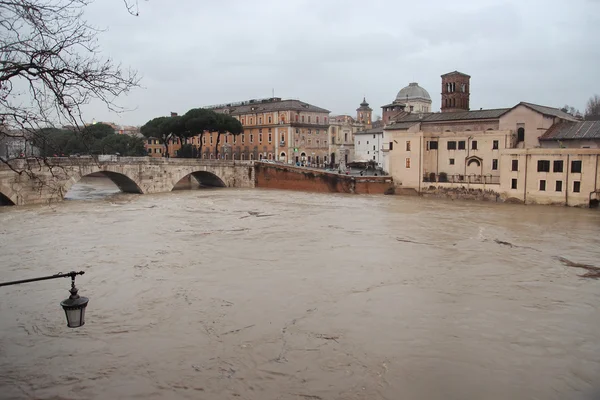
(51, 141)
(158, 128)
(224, 124)
(198, 121)
(98, 131)
(124, 145)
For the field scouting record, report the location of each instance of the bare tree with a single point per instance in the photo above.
(592, 109)
(50, 66)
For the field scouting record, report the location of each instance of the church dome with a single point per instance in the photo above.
(412, 92)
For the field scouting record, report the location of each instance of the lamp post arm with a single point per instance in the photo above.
(71, 274)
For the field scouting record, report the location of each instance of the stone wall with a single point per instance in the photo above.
(274, 176)
(461, 193)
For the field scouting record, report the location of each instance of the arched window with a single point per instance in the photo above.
(242, 156)
(211, 156)
(521, 135)
(251, 156)
(270, 156)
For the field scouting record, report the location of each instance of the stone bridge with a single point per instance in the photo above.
(32, 181)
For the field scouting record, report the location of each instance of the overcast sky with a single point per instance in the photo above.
(329, 53)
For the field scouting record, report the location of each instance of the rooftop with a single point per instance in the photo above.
(550, 111)
(589, 130)
(266, 105)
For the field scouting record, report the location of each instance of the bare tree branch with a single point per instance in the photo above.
(50, 67)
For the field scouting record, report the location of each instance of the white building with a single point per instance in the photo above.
(368, 145)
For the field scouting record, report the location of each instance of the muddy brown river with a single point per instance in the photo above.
(261, 294)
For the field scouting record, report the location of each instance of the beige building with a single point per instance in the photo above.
(462, 148)
(551, 176)
(290, 131)
(341, 138)
(342, 129)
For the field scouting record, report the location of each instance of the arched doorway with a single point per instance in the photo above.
(282, 156)
(242, 157)
(332, 159)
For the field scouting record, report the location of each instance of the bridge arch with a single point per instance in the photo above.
(7, 196)
(204, 178)
(125, 183)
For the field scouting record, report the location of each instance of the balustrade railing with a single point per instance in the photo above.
(487, 179)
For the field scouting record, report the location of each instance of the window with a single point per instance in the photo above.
(542, 185)
(543, 165)
(204, 139)
(408, 145)
(149, 141)
(345, 137)
(234, 139)
(391, 145)
(452, 161)
(513, 184)
(243, 138)
(452, 145)
(270, 138)
(495, 145)
(303, 118)
(317, 120)
(576, 186)
(558, 166)
(521, 134)
(576, 167)
(359, 142)
(494, 164)
(373, 136)
(373, 157)
(269, 119)
(309, 118)
(559, 186)
(283, 137)
(367, 142)
(515, 165)
(251, 138)
(407, 162)
(260, 138)
(211, 138)
(474, 145)
(433, 145)
(461, 145)
(260, 120)
(243, 121)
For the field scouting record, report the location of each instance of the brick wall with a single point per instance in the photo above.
(293, 178)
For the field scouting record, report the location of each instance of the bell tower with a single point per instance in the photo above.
(364, 113)
(456, 88)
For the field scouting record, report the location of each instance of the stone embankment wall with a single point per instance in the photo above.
(276, 176)
(462, 193)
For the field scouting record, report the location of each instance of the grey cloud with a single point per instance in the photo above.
(331, 53)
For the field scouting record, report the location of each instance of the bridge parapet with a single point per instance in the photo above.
(50, 179)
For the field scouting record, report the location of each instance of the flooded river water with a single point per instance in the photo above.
(256, 294)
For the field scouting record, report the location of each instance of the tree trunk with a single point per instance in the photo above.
(201, 136)
(217, 146)
(166, 143)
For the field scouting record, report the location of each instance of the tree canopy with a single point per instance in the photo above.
(193, 123)
(592, 109)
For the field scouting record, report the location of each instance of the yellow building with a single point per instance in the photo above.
(551, 176)
(462, 147)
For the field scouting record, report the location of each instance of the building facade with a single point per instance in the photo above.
(368, 146)
(466, 147)
(551, 176)
(290, 131)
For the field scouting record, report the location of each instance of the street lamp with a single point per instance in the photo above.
(74, 306)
